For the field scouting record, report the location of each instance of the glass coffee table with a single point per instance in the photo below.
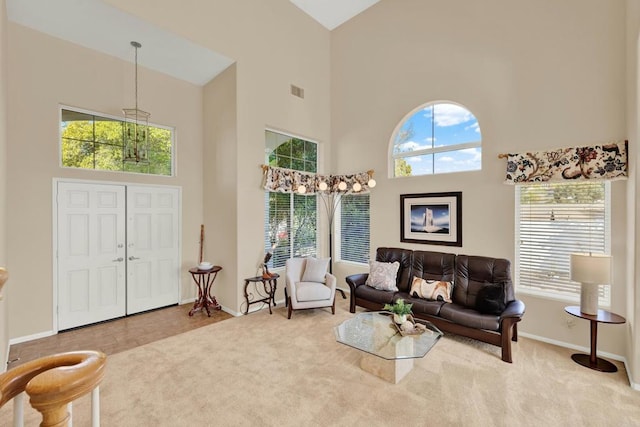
(386, 353)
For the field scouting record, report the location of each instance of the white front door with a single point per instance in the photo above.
(153, 260)
(91, 253)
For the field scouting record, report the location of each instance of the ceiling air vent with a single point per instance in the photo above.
(297, 91)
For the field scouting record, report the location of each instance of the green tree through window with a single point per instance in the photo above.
(90, 141)
(291, 219)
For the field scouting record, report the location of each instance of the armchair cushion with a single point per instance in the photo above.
(315, 270)
(312, 291)
(382, 275)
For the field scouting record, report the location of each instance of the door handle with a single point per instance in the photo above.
(131, 258)
(118, 259)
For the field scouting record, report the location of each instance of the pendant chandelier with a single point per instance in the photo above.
(136, 126)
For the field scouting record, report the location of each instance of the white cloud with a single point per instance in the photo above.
(410, 146)
(474, 126)
(451, 115)
(414, 159)
(476, 153)
(446, 159)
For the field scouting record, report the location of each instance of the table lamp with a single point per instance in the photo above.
(590, 270)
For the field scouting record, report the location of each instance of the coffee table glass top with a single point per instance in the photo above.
(375, 333)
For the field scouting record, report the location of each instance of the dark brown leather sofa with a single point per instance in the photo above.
(469, 275)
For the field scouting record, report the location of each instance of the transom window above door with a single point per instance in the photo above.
(92, 141)
(435, 138)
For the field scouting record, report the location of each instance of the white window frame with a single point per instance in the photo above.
(338, 224)
(292, 196)
(571, 291)
(432, 150)
(121, 119)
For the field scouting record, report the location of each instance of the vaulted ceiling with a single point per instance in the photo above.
(166, 52)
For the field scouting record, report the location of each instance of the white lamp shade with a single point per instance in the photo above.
(591, 268)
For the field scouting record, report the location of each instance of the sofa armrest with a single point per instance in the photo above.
(356, 280)
(514, 308)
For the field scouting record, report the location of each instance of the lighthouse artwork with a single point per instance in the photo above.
(431, 218)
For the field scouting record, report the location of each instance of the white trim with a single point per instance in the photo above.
(26, 338)
(438, 149)
(54, 239)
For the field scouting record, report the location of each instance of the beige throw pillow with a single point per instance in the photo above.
(315, 270)
(382, 275)
(434, 290)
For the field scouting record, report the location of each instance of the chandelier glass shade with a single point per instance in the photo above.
(136, 126)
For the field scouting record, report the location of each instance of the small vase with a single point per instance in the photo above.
(399, 318)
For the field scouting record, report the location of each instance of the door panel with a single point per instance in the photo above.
(91, 253)
(153, 248)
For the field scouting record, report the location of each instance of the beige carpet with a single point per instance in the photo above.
(265, 370)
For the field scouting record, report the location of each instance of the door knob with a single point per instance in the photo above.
(118, 259)
(131, 258)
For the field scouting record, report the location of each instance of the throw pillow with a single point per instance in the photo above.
(382, 275)
(434, 290)
(491, 299)
(315, 270)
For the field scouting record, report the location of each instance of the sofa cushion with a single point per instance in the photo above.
(491, 298)
(473, 271)
(434, 290)
(469, 317)
(315, 269)
(421, 306)
(382, 275)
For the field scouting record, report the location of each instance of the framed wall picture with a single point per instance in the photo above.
(431, 218)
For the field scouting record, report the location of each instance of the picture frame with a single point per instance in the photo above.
(431, 218)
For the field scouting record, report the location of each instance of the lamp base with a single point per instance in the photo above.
(589, 298)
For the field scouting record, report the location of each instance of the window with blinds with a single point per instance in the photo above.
(290, 219)
(354, 228)
(554, 221)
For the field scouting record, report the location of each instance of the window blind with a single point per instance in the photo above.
(553, 221)
(354, 228)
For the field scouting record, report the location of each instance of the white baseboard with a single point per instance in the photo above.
(31, 337)
(586, 350)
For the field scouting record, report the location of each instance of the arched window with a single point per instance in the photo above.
(437, 137)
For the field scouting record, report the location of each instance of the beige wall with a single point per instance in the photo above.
(633, 207)
(45, 72)
(537, 75)
(4, 323)
(220, 182)
(274, 45)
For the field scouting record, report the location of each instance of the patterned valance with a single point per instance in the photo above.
(607, 161)
(289, 181)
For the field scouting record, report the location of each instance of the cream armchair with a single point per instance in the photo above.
(309, 285)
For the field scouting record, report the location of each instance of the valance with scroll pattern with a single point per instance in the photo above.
(289, 181)
(606, 161)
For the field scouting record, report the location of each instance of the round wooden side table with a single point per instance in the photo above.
(204, 279)
(591, 360)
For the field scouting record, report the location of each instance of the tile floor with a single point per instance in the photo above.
(116, 335)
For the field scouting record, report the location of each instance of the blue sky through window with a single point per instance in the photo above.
(436, 126)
